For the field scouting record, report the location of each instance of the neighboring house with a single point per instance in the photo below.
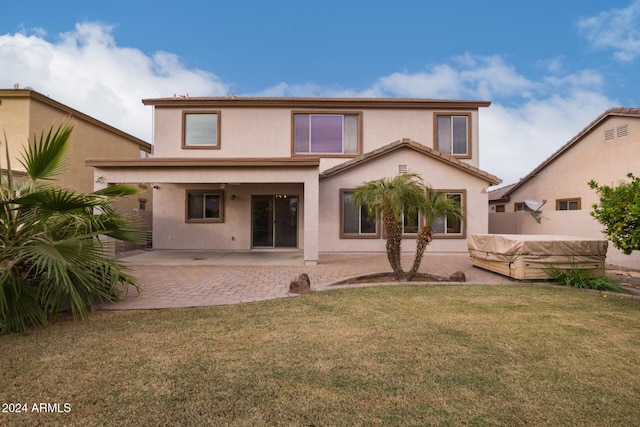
(605, 151)
(25, 113)
(269, 173)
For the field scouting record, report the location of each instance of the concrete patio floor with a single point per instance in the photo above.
(172, 279)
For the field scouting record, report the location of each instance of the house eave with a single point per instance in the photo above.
(73, 113)
(408, 143)
(181, 162)
(613, 112)
(259, 102)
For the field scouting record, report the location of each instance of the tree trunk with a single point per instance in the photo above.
(425, 236)
(393, 228)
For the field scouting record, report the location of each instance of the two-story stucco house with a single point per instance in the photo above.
(25, 113)
(605, 150)
(269, 173)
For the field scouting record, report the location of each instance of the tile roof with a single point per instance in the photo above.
(422, 149)
(498, 193)
(316, 102)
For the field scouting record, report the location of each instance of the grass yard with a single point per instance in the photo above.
(396, 355)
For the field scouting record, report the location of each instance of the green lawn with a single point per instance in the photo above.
(396, 355)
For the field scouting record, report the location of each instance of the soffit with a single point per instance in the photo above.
(233, 101)
(180, 162)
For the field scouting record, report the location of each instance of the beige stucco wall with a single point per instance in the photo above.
(170, 229)
(15, 125)
(266, 132)
(437, 174)
(87, 141)
(567, 177)
(24, 113)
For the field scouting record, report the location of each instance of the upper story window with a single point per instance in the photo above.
(453, 134)
(201, 129)
(322, 133)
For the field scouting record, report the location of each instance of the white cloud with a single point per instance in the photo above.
(309, 90)
(514, 140)
(469, 76)
(86, 70)
(527, 121)
(553, 65)
(615, 29)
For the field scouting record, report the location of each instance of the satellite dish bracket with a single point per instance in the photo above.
(535, 208)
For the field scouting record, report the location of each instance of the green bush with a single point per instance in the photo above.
(52, 254)
(581, 278)
(619, 212)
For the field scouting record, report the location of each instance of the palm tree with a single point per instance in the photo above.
(436, 205)
(51, 250)
(391, 199)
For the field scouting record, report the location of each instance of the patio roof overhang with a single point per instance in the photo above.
(183, 170)
(174, 162)
(223, 170)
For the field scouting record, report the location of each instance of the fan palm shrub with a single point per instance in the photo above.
(52, 248)
(404, 194)
(436, 205)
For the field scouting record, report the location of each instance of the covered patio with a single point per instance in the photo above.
(257, 203)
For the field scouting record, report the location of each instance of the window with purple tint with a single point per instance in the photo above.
(325, 133)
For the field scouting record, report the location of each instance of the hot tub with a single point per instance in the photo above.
(524, 256)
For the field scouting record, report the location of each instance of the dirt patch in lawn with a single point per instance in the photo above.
(630, 283)
(388, 278)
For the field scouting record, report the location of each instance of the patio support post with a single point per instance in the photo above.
(311, 217)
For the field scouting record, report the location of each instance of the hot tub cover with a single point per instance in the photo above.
(508, 247)
(531, 256)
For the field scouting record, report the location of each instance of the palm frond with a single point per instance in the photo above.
(52, 246)
(46, 155)
(439, 205)
(117, 190)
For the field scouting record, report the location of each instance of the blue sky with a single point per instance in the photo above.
(548, 67)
